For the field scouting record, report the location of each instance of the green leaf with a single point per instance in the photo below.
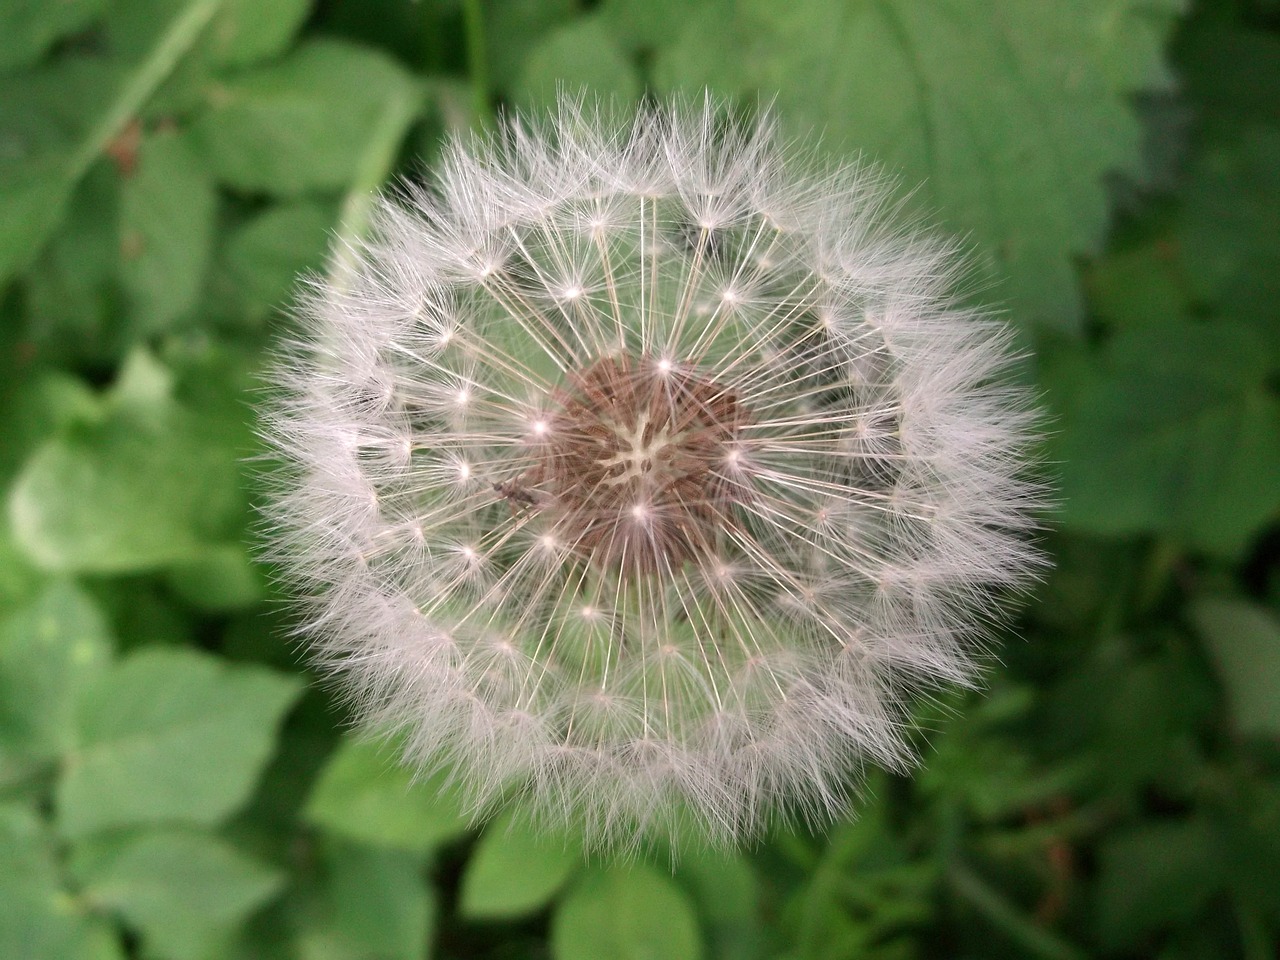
(625, 913)
(248, 31)
(642, 25)
(1141, 286)
(152, 485)
(45, 116)
(29, 27)
(1154, 876)
(302, 123)
(365, 795)
(728, 896)
(184, 892)
(56, 121)
(580, 56)
(73, 290)
(167, 208)
(221, 580)
(170, 735)
(369, 903)
(49, 652)
(264, 257)
(1174, 432)
(515, 869)
(514, 27)
(39, 920)
(1243, 640)
(1007, 114)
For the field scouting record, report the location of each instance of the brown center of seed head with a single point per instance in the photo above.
(637, 463)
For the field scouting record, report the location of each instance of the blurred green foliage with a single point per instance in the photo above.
(173, 786)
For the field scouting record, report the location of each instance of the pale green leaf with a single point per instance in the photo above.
(247, 31)
(369, 902)
(170, 735)
(1243, 640)
(265, 256)
(580, 56)
(728, 895)
(184, 892)
(1005, 115)
(302, 123)
(38, 919)
(50, 650)
(643, 25)
(221, 579)
(73, 288)
(625, 913)
(515, 869)
(167, 207)
(513, 27)
(56, 121)
(45, 116)
(364, 794)
(153, 485)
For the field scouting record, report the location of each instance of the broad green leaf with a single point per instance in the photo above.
(220, 580)
(514, 27)
(152, 485)
(642, 25)
(625, 913)
(184, 892)
(170, 735)
(38, 919)
(728, 895)
(580, 56)
(1156, 875)
(1243, 640)
(1005, 114)
(265, 256)
(29, 27)
(45, 117)
(49, 652)
(248, 31)
(369, 902)
(167, 206)
(365, 795)
(302, 123)
(243, 33)
(515, 869)
(33, 402)
(1141, 286)
(74, 298)
(54, 122)
(1174, 431)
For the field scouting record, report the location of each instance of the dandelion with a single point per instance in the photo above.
(639, 472)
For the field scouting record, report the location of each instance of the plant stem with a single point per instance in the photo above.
(181, 34)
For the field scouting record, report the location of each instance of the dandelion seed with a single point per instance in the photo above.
(700, 473)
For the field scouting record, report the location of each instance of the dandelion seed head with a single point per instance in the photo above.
(638, 470)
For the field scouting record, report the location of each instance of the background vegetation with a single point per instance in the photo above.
(173, 785)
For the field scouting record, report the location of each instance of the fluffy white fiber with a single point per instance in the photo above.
(637, 471)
